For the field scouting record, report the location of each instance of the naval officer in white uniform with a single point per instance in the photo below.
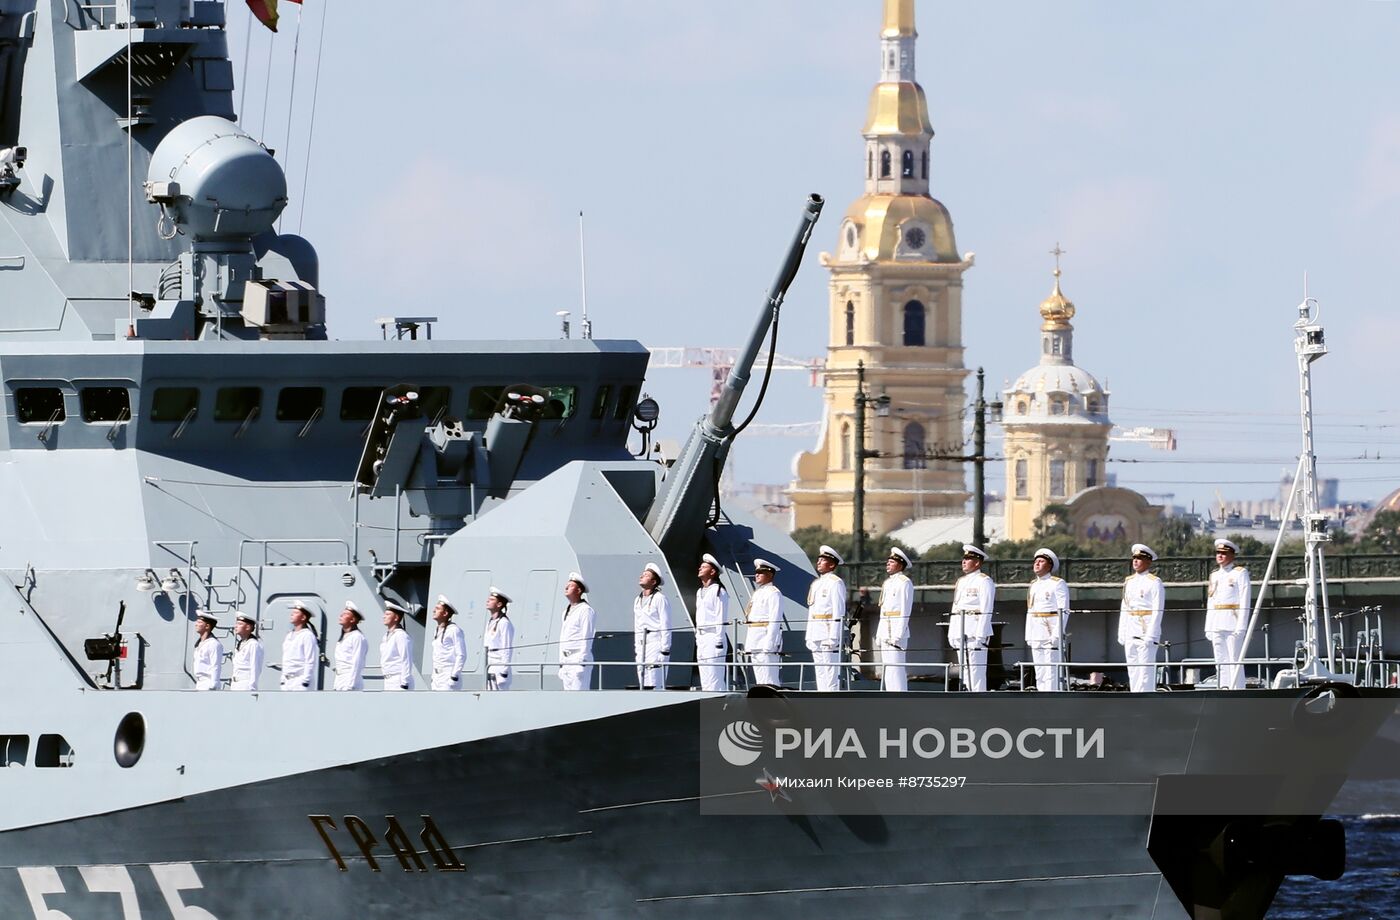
(970, 624)
(449, 648)
(396, 650)
(651, 629)
(247, 653)
(301, 652)
(351, 650)
(208, 664)
(1047, 613)
(826, 618)
(1140, 620)
(711, 621)
(892, 635)
(763, 625)
(576, 637)
(1227, 615)
(498, 641)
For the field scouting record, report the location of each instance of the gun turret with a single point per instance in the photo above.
(678, 514)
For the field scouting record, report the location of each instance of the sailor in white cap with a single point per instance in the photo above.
(651, 629)
(970, 625)
(826, 619)
(449, 647)
(763, 625)
(1227, 615)
(499, 641)
(247, 653)
(711, 621)
(396, 650)
(1047, 613)
(351, 649)
(1140, 620)
(576, 637)
(208, 663)
(892, 635)
(301, 650)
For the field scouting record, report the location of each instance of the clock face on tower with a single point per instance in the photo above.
(914, 238)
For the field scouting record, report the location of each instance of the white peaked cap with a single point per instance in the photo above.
(711, 560)
(1142, 549)
(1049, 554)
(897, 553)
(975, 550)
(830, 553)
(764, 564)
(397, 608)
(497, 592)
(301, 605)
(1227, 544)
(442, 599)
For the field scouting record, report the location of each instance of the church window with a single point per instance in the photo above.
(869, 164)
(907, 164)
(1057, 405)
(1091, 473)
(925, 163)
(1045, 345)
(884, 164)
(1022, 478)
(850, 323)
(1092, 404)
(1054, 345)
(913, 323)
(1020, 407)
(1057, 479)
(845, 446)
(914, 458)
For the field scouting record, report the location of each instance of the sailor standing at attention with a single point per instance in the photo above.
(826, 617)
(1047, 613)
(247, 653)
(300, 650)
(351, 650)
(396, 650)
(449, 648)
(208, 653)
(711, 621)
(970, 625)
(763, 632)
(499, 641)
(1227, 615)
(892, 635)
(576, 637)
(651, 629)
(1140, 620)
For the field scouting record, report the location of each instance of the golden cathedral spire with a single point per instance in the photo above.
(899, 19)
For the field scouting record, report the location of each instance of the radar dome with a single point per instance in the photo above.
(227, 185)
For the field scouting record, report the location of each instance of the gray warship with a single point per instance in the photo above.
(181, 435)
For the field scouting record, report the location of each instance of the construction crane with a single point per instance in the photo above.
(721, 360)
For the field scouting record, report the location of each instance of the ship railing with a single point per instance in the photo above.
(101, 14)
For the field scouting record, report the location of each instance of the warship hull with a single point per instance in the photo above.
(596, 813)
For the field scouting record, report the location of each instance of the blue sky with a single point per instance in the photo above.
(1192, 159)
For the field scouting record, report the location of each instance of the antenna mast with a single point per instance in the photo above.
(586, 325)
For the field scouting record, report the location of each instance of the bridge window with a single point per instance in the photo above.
(357, 404)
(39, 404)
(625, 401)
(600, 401)
(173, 404)
(14, 750)
(434, 402)
(53, 751)
(105, 404)
(913, 323)
(236, 404)
(299, 404)
(907, 164)
(914, 458)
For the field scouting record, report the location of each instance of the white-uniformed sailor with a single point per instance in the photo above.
(711, 621)
(396, 650)
(576, 637)
(763, 625)
(1047, 614)
(247, 653)
(208, 664)
(1140, 620)
(1227, 615)
(498, 641)
(301, 652)
(970, 623)
(449, 648)
(892, 635)
(351, 649)
(826, 618)
(651, 629)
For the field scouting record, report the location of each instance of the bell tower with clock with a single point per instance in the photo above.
(896, 305)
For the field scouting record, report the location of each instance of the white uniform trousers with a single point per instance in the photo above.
(499, 676)
(972, 658)
(576, 676)
(824, 662)
(1048, 674)
(1227, 648)
(711, 658)
(767, 667)
(651, 660)
(894, 676)
(1141, 655)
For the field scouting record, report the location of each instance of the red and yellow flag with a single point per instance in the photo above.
(266, 11)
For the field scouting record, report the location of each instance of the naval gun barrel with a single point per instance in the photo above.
(683, 502)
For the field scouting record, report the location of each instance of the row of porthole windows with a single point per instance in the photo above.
(913, 323)
(50, 751)
(45, 404)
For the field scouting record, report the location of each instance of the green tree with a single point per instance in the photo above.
(1051, 521)
(1382, 535)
